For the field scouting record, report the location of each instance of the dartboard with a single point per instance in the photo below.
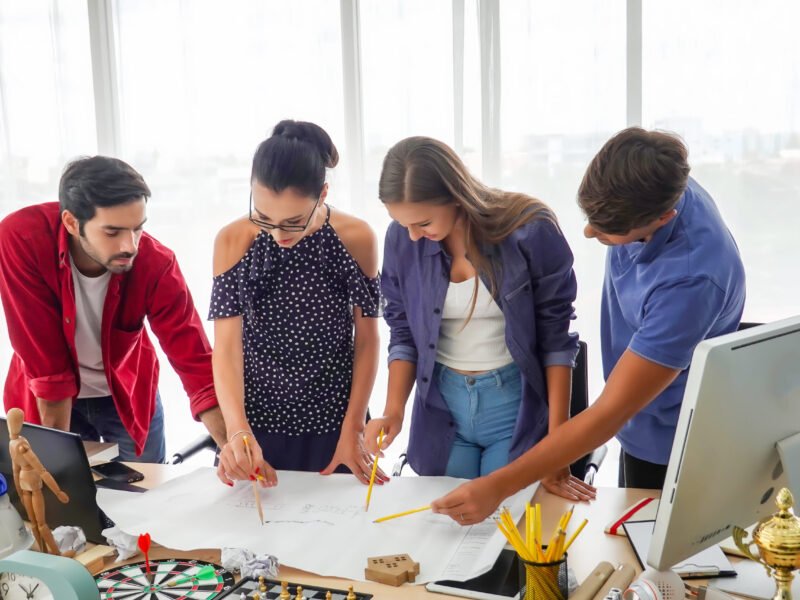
(130, 581)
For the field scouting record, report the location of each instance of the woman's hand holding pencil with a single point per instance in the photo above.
(240, 462)
(390, 424)
(351, 451)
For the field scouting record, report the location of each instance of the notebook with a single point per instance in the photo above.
(644, 510)
(710, 562)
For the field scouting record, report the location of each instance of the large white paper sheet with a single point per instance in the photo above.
(314, 523)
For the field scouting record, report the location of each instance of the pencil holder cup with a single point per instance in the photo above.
(543, 580)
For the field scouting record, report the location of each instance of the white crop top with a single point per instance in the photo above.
(481, 344)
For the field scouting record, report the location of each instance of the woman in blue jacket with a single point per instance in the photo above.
(479, 288)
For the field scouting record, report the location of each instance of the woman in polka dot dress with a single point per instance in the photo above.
(295, 296)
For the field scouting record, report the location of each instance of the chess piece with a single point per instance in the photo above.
(242, 596)
(328, 595)
(261, 586)
(256, 596)
(299, 595)
(29, 475)
(350, 594)
(285, 591)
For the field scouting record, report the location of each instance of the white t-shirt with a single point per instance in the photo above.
(481, 344)
(90, 297)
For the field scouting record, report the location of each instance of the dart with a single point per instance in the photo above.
(144, 546)
(205, 573)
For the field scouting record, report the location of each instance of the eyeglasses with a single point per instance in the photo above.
(270, 226)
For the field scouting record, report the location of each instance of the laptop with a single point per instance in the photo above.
(63, 455)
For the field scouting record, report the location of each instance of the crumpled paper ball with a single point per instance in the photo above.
(126, 545)
(70, 538)
(249, 564)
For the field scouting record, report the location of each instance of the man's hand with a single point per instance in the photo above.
(469, 503)
(563, 484)
(55, 414)
(215, 424)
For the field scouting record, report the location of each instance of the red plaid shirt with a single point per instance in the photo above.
(39, 301)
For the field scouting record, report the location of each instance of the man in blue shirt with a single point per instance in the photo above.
(673, 278)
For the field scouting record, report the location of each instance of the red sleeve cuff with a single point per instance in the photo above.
(54, 387)
(204, 400)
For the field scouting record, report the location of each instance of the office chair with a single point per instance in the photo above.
(195, 446)
(585, 467)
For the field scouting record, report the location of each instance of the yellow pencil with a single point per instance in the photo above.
(567, 516)
(528, 527)
(402, 514)
(574, 535)
(253, 481)
(374, 470)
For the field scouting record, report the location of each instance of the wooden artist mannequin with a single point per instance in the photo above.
(29, 474)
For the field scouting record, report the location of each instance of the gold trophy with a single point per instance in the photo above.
(778, 542)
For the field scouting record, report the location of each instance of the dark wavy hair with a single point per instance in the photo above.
(89, 182)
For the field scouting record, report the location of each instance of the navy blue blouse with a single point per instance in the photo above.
(297, 320)
(536, 292)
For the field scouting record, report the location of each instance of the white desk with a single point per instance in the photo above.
(590, 548)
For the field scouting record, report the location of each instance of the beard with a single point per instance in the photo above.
(108, 263)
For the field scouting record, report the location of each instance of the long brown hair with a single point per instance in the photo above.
(422, 169)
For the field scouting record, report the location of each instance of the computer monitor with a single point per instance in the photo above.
(742, 398)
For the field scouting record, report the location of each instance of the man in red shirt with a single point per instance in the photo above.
(77, 280)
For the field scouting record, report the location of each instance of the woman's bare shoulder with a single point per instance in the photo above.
(232, 243)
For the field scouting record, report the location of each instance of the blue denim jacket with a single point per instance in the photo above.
(537, 289)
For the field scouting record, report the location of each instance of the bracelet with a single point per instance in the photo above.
(240, 432)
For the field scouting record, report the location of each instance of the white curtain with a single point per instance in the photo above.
(526, 90)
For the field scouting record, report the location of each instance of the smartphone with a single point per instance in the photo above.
(118, 471)
(501, 582)
(116, 484)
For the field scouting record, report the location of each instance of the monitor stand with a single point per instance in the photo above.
(789, 452)
(752, 580)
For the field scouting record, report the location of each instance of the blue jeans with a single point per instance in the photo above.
(485, 408)
(96, 418)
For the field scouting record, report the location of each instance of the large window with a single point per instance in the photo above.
(46, 99)
(726, 77)
(563, 95)
(525, 90)
(46, 104)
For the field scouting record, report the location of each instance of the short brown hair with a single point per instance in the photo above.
(636, 177)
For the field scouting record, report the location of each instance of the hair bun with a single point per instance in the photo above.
(303, 131)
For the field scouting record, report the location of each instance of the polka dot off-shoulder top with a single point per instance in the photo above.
(296, 306)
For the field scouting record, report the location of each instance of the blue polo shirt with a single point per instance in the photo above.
(662, 298)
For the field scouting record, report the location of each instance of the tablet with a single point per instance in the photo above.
(501, 582)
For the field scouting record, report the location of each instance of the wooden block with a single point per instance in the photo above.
(94, 558)
(394, 569)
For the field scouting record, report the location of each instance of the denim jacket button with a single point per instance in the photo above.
(431, 346)
(436, 311)
(424, 380)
